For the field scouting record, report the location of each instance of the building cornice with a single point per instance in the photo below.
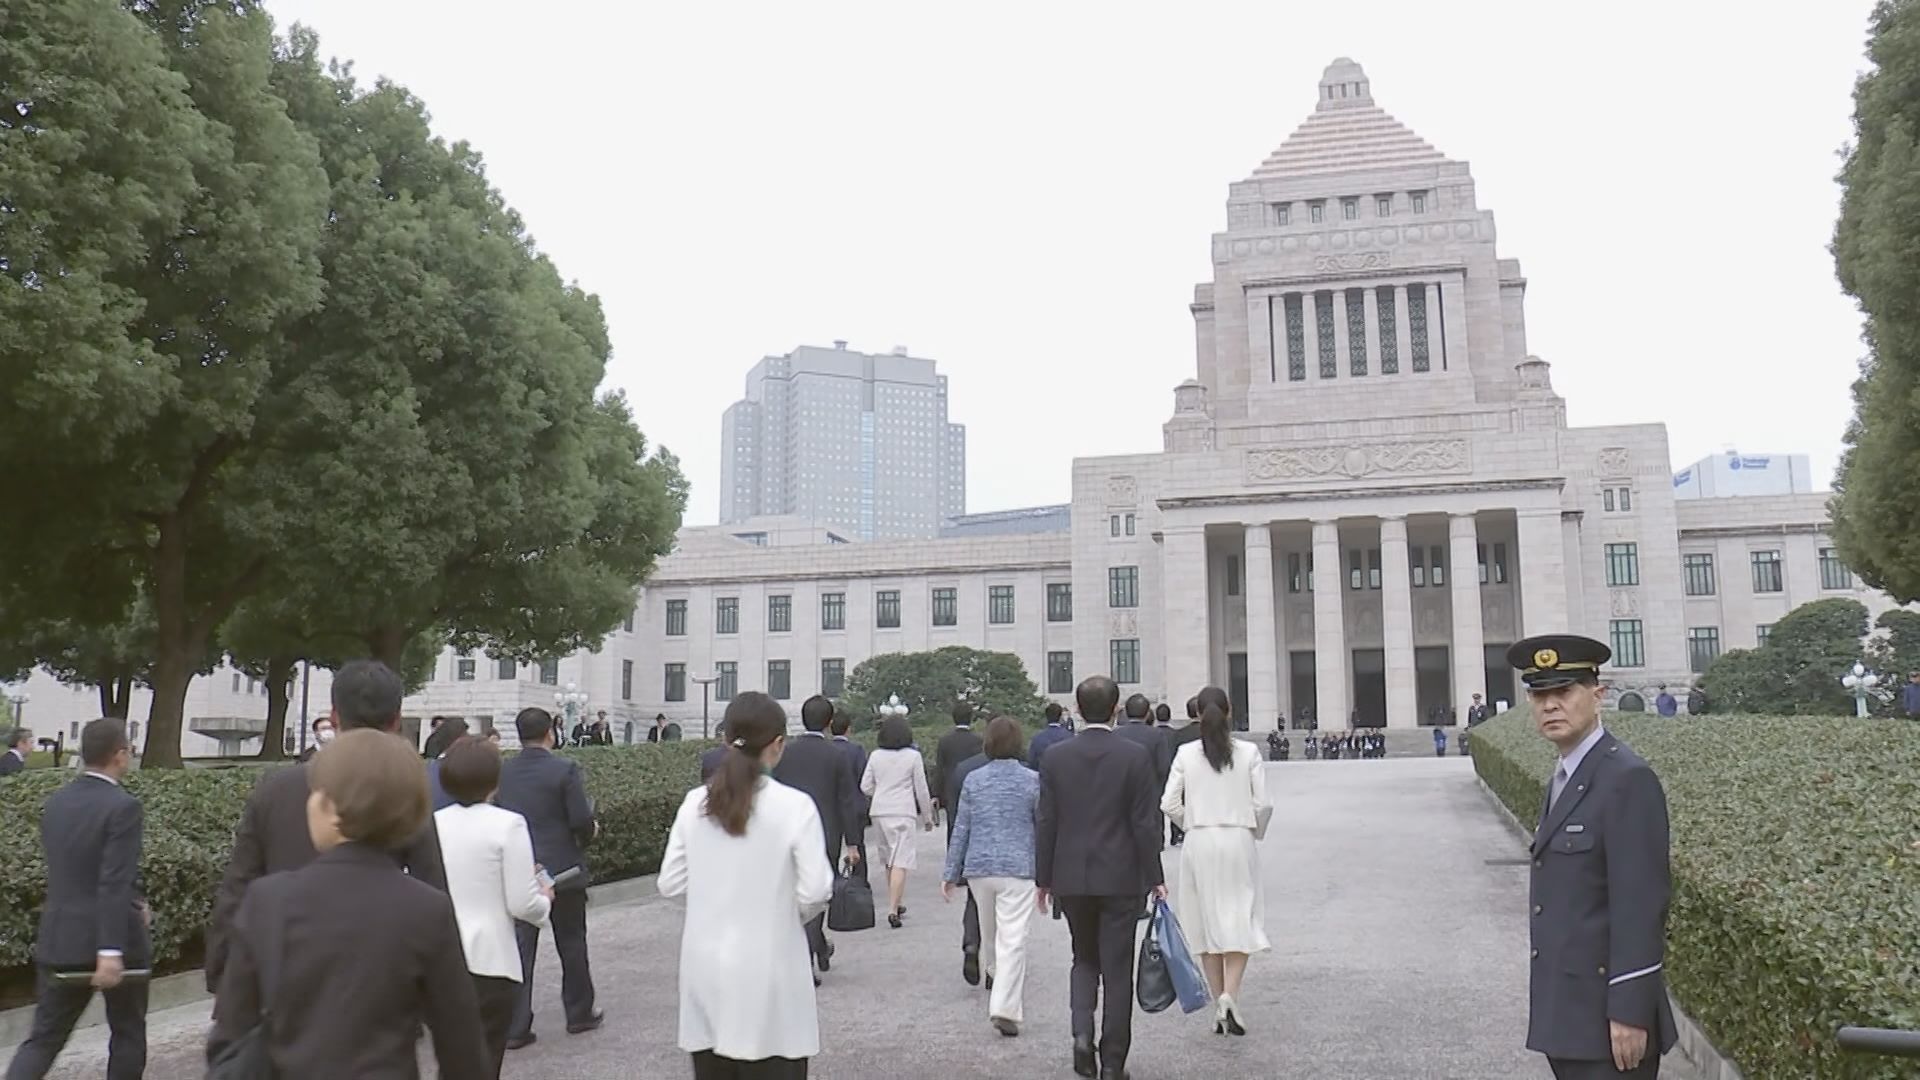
(1735, 532)
(819, 575)
(1263, 498)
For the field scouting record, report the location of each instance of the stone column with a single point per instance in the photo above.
(1453, 308)
(1396, 623)
(1184, 614)
(1469, 652)
(1371, 302)
(1260, 337)
(1263, 673)
(1543, 573)
(1402, 335)
(1329, 629)
(1310, 327)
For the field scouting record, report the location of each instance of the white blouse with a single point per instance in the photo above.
(1197, 797)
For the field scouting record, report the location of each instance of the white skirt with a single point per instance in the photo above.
(1221, 904)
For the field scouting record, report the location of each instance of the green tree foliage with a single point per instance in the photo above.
(1876, 502)
(929, 683)
(1798, 670)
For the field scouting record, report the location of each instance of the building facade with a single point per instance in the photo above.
(847, 437)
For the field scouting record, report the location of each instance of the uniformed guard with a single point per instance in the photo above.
(1597, 1002)
(1286, 747)
(1273, 745)
(1312, 746)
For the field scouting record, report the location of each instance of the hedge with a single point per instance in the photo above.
(1796, 875)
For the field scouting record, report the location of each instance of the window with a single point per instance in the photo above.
(1130, 524)
(550, 673)
(1418, 199)
(1480, 556)
(1059, 601)
(1355, 569)
(1606, 499)
(726, 615)
(1436, 563)
(1350, 209)
(886, 609)
(1703, 644)
(626, 680)
(1698, 572)
(1389, 335)
(1233, 575)
(1760, 633)
(1623, 564)
(1357, 332)
(236, 687)
(1281, 212)
(1628, 644)
(1373, 568)
(1834, 573)
(1499, 564)
(1766, 572)
(1113, 524)
(1383, 206)
(253, 685)
(676, 618)
(1626, 499)
(508, 669)
(779, 679)
(1126, 660)
(463, 669)
(727, 680)
(833, 677)
(1000, 605)
(1296, 339)
(779, 614)
(1323, 321)
(1123, 586)
(1059, 673)
(1418, 568)
(833, 611)
(1317, 211)
(946, 607)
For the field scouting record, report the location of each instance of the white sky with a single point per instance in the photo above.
(1025, 192)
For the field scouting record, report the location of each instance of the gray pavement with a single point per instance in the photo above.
(1399, 952)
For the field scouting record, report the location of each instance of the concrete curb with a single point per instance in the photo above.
(190, 987)
(1707, 1062)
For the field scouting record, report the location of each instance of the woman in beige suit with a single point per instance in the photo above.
(896, 784)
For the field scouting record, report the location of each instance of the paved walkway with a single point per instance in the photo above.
(1399, 952)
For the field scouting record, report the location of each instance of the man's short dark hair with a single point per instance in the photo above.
(1054, 712)
(533, 724)
(1162, 714)
(102, 739)
(1193, 708)
(450, 731)
(842, 721)
(367, 694)
(1004, 739)
(962, 714)
(1138, 707)
(816, 713)
(471, 770)
(1097, 695)
(20, 739)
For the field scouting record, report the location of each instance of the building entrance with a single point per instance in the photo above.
(1369, 688)
(1237, 688)
(1304, 689)
(1432, 682)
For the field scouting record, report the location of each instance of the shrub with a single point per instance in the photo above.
(1796, 875)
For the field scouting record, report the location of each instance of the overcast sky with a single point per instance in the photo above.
(1025, 192)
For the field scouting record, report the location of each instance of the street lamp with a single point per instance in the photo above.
(1860, 683)
(891, 708)
(18, 699)
(706, 688)
(571, 701)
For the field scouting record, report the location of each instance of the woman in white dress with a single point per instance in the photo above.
(1217, 792)
(749, 855)
(895, 784)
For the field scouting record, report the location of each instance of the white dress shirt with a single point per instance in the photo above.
(489, 861)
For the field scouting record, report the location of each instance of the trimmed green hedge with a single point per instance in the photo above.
(1796, 875)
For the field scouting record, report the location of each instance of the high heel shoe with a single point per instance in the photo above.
(1219, 1017)
(1230, 1017)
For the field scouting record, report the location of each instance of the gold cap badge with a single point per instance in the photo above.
(1546, 658)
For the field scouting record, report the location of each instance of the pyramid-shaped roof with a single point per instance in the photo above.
(1347, 133)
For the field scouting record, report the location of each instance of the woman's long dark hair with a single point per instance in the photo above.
(1216, 727)
(753, 721)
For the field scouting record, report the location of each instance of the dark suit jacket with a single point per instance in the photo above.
(1046, 737)
(1156, 741)
(367, 954)
(710, 762)
(90, 834)
(11, 763)
(1600, 888)
(272, 837)
(1097, 828)
(813, 764)
(857, 759)
(954, 747)
(549, 791)
(1182, 736)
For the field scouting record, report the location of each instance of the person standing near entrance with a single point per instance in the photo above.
(1478, 711)
(1600, 882)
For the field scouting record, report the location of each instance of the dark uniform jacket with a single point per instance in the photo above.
(90, 833)
(1599, 893)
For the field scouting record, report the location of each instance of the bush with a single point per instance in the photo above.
(1796, 875)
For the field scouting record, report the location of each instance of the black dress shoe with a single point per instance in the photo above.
(1113, 1072)
(988, 981)
(825, 959)
(519, 1042)
(592, 1023)
(970, 967)
(1083, 1058)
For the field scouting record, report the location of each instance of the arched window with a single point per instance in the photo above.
(1631, 702)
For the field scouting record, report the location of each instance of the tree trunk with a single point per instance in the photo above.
(388, 644)
(115, 694)
(273, 742)
(172, 662)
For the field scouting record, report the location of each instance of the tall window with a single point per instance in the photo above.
(550, 672)
(1296, 578)
(463, 669)
(1317, 212)
(1389, 332)
(1766, 572)
(1123, 586)
(1357, 331)
(1418, 199)
(1059, 673)
(1834, 573)
(1499, 564)
(1623, 564)
(1606, 499)
(1417, 568)
(1281, 212)
(726, 615)
(1296, 338)
(626, 680)
(1233, 575)
(1350, 209)
(833, 676)
(1126, 660)
(1000, 605)
(1323, 322)
(1417, 326)
(1383, 206)
(1059, 601)
(833, 611)
(886, 609)
(1113, 525)
(508, 669)
(1373, 568)
(1629, 646)
(779, 614)
(1703, 644)
(946, 607)
(1698, 572)
(1356, 570)
(1760, 633)
(1626, 499)
(779, 679)
(1130, 524)
(676, 618)
(627, 623)
(1437, 566)
(728, 682)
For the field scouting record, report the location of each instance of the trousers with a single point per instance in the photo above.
(569, 920)
(1103, 940)
(1006, 911)
(59, 1009)
(498, 998)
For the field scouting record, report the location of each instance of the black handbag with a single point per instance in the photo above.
(1152, 982)
(852, 905)
(247, 1058)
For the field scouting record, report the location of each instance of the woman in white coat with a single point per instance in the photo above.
(750, 857)
(1217, 792)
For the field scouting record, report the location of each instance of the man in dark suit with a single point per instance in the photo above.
(857, 764)
(1055, 732)
(955, 747)
(1097, 847)
(19, 745)
(711, 757)
(1597, 1000)
(550, 793)
(1158, 743)
(1177, 738)
(272, 835)
(811, 763)
(94, 919)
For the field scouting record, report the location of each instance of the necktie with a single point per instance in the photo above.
(1559, 784)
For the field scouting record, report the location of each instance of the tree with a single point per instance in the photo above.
(1797, 671)
(929, 683)
(1876, 502)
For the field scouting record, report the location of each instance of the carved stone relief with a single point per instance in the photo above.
(1624, 603)
(1122, 491)
(1358, 460)
(1430, 625)
(1363, 260)
(1125, 624)
(1614, 461)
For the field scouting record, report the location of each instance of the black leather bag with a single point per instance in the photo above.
(246, 1058)
(852, 905)
(1152, 982)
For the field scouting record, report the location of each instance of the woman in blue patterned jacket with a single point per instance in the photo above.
(992, 851)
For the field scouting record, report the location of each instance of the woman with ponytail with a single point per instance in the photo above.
(1217, 792)
(750, 857)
